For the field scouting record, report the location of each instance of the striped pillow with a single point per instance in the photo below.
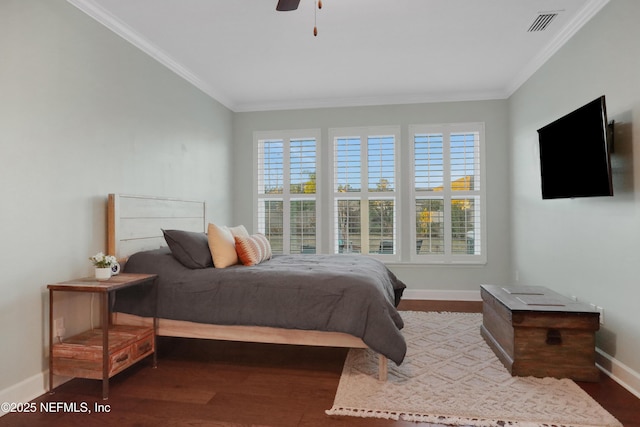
(252, 250)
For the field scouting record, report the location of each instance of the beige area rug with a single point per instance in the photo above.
(451, 377)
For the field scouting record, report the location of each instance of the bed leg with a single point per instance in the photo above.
(382, 367)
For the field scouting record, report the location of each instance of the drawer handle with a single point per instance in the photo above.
(122, 358)
(145, 347)
(554, 337)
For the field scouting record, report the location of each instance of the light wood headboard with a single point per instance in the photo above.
(135, 223)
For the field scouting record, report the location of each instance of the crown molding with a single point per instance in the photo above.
(589, 10)
(98, 13)
(370, 101)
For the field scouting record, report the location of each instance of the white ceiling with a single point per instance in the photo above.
(250, 57)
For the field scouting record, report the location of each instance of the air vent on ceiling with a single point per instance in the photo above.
(542, 21)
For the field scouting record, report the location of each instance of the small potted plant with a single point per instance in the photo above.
(103, 264)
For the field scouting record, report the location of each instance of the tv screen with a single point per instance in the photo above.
(574, 154)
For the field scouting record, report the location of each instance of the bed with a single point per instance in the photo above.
(289, 299)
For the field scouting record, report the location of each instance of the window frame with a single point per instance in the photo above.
(447, 194)
(286, 196)
(404, 194)
(365, 195)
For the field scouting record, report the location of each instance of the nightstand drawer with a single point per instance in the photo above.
(82, 355)
(143, 347)
(119, 361)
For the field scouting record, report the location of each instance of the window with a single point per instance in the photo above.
(364, 190)
(448, 193)
(286, 190)
(431, 209)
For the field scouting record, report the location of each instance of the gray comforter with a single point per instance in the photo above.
(340, 293)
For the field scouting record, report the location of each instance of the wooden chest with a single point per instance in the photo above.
(82, 356)
(537, 332)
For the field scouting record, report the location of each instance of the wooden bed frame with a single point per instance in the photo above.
(135, 224)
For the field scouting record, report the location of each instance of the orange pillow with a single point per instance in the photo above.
(252, 250)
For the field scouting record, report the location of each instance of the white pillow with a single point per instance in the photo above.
(222, 246)
(239, 231)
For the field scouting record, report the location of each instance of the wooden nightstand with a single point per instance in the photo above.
(94, 354)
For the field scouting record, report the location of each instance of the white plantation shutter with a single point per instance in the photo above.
(302, 227)
(381, 163)
(347, 180)
(382, 226)
(302, 214)
(466, 234)
(465, 186)
(448, 193)
(381, 173)
(428, 158)
(348, 165)
(429, 226)
(302, 166)
(347, 216)
(364, 190)
(286, 190)
(431, 211)
(428, 185)
(271, 187)
(270, 167)
(465, 161)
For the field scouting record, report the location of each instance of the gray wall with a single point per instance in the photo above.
(585, 247)
(82, 114)
(416, 276)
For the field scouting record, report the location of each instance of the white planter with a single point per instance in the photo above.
(103, 273)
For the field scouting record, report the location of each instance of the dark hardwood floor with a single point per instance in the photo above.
(225, 384)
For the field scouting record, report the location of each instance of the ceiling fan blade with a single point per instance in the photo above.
(286, 5)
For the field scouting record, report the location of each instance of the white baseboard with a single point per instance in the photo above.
(430, 294)
(619, 372)
(29, 389)
(24, 391)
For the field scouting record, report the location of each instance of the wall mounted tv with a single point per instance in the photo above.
(575, 154)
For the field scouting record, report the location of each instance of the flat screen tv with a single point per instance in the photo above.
(574, 154)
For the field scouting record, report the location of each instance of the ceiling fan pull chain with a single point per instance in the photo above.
(315, 15)
(318, 5)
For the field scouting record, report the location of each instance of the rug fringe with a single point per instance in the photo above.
(439, 419)
(364, 413)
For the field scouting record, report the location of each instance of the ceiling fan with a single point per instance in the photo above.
(287, 5)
